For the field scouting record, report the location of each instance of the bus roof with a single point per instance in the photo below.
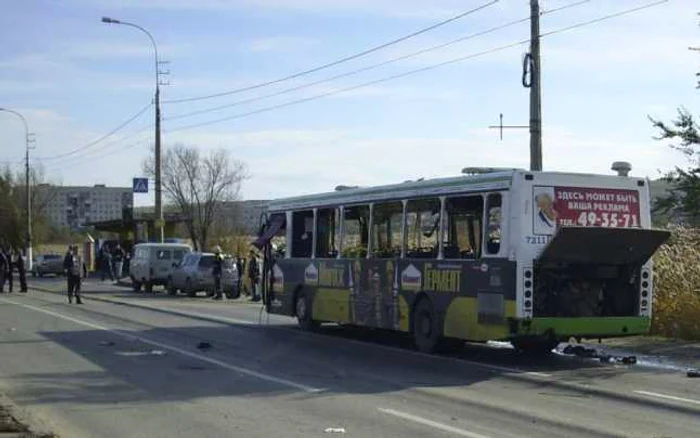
(410, 189)
(500, 179)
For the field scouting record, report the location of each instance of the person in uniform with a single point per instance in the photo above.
(74, 268)
(216, 271)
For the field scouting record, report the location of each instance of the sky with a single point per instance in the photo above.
(76, 79)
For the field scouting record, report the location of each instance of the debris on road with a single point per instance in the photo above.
(693, 373)
(157, 352)
(203, 346)
(334, 430)
(106, 343)
(629, 360)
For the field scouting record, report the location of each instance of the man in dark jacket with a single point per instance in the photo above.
(9, 255)
(216, 271)
(74, 268)
(254, 276)
(4, 267)
(22, 272)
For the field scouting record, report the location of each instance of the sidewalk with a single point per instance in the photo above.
(16, 423)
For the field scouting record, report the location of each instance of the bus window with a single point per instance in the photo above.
(493, 229)
(355, 231)
(327, 221)
(463, 217)
(386, 230)
(422, 228)
(302, 233)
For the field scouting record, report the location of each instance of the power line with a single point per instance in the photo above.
(86, 159)
(339, 61)
(101, 139)
(412, 72)
(370, 67)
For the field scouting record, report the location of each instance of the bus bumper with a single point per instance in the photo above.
(593, 327)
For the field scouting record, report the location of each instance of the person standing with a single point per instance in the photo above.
(240, 269)
(21, 272)
(216, 272)
(254, 276)
(106, 262)
(9, 255)
(118, 259)
(74, 268)
(4, 263)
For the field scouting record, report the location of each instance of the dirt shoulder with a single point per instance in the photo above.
(15, 423)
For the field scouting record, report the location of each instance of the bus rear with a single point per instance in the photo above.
(583, 245)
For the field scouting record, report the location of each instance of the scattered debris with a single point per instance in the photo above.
(334, 430)
(157, 352)
(106, 343)
(568, 349)
(692, 372)
(203, 346)
(605, 358)
(629, 360)
(12, 329)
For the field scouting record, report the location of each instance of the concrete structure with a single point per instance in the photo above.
(74, 206)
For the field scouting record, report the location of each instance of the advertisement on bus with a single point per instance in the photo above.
(555, 207)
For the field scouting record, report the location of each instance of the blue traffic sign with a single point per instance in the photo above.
(140, 185)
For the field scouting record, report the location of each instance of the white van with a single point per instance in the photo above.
(152, 263)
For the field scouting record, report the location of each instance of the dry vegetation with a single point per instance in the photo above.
(677, 295)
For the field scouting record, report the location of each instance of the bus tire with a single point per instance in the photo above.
(303, 311)
(148, 287)
(426, 328)
(136, 285)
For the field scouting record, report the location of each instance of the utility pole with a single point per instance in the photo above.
(535, 90)
(159, 222)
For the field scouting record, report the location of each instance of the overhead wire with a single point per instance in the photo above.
(336, 62)
(412, 72)
(100, 139)
(370, 67)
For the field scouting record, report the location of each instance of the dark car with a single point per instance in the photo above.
(47, 264)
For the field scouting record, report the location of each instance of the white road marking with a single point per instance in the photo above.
(431, 423)
(210, 360)
(224, 320)
(669, 397)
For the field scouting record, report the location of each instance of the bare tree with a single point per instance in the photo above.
(197, 185)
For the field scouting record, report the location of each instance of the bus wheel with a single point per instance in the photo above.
(148, 287)
(302, 307)
(426, 331)
(136, 286)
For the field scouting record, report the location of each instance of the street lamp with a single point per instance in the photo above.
(28, 211)
(159, 200)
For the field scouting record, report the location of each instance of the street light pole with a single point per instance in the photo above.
(159, 199)
(28, 199)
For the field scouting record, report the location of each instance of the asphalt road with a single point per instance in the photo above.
(127, 365)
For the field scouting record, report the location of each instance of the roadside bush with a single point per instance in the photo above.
(676, 311)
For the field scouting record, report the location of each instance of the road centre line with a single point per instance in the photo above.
(431, 423)
(668, 397)
(222, 364)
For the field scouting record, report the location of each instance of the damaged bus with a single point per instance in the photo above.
(533, 258)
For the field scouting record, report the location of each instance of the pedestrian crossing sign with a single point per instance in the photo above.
(140, 185)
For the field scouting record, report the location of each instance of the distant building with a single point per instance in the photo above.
(74, 206)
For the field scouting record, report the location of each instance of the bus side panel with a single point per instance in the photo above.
(288, 278)
(473, 299)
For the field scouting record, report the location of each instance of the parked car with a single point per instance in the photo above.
(152, 263)
(195, 274)
(47, 264)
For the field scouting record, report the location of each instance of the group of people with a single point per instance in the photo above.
(111, 262)
(253, 274)
(9, 260)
